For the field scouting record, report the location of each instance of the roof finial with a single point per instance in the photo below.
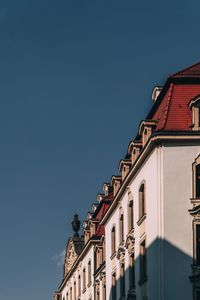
(76, 225)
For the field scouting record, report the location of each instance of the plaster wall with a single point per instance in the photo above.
(177, 228)
(88, 292)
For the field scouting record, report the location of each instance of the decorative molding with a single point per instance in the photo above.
(130, 244)
(121, 255)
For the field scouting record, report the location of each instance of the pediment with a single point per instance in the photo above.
(73, 249)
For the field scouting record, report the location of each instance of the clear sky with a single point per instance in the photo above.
(75, 81)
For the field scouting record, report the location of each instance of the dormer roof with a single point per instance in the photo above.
(124, 162)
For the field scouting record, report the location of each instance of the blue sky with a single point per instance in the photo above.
(75, 81)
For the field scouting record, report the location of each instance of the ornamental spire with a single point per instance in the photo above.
(76, 225)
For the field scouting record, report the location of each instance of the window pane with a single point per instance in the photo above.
(198, 244)
(198, 181)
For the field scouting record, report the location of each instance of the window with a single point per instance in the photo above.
(197, 183)
(113, 241)
(67, 296)
(121, 227)
(89, 271)
(143, 260)
(84, 279)
(70, 293)
(197, 245)
(114, 288)
(74, 290)
(103, 292)
(197, 294)
(131, 272)
(130, 215)
(97, 295)
(195, 107)
(122, 281)
(79, 285)
(142, 200)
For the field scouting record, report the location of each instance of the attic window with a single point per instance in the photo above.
(195, 107)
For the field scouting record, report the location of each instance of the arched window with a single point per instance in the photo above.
(196, 178)
(84, 279)
(74, 290)
(143, 260)
(197, 183)
(79, 285)
(130, 215)
(131, 272)
(113, 240)
(142, 201)
(195, 107)
(121, 227)
(122, 281)
(89, 272)
(70, 293)
(114, 287)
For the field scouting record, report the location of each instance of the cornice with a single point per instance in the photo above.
(158, 138)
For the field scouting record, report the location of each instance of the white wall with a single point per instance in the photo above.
(149, 173)
(168, 225)
(89, 293)
(177, 164)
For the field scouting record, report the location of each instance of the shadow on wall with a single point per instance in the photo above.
(162, 272)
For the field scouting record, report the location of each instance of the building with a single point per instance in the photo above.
(141, 239)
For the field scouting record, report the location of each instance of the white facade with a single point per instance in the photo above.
(142, 237)
(167, 227)
(77, 287)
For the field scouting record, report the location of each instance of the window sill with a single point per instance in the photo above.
(122, 243)
(130, 231)
(113, 255)
(84, 290)
(141, 220)
(89, 283)
(195, 200)
(142, 280)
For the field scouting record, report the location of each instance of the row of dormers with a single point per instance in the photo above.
(135, 147)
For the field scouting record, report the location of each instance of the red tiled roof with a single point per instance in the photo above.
(172, 110)
(192, 71)
(104, 205)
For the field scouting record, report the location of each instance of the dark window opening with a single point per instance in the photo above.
(198, 244)
(198, 181)
(143, 260)
(114, 287)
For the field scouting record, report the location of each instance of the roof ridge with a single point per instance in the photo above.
(185, 70)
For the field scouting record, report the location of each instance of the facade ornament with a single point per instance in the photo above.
(76, 225)
(121, 255)
(130, 244)
(103, 278)
(97, 286)
(56, 296)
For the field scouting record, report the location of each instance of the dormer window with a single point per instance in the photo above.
(146, 129)
(124, 167)
(134, 150)
(116, 183)
(195, 107)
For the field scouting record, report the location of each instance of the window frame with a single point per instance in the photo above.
(141, 201)
(113, 240)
